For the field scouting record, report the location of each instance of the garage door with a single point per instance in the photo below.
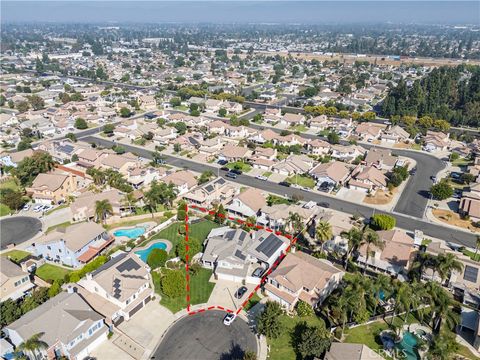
(135, 309)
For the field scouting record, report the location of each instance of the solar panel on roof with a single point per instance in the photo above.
(240, 255)
(128, 265)
(471, 273)
(230, 234)
(221, 181)
(270, 245)
(242, 236)
(209, 188)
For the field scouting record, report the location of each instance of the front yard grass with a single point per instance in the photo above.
(4, 210)
(51, 272)
(62, 225)
(200, 290)
(240, 166)
(254, 300)
(63, 206)
(10, 184)
(281, 348)
(16, 255)
(461, 162)
(302, 180)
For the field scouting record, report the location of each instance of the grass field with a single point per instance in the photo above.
(240, 165)
(301, 180)
(10, 184)
(4, 210)
(51, 272)
(16, 255)
(281, 348)
(200, 290)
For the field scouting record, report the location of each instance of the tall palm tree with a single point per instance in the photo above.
(128, 199)
(440, 307)
(32, 345)
(370, 238)
(323, 232)
(102, 209)
(446, 264)
(354, 238)
(382, 284)
(150, 205)
(294, 222)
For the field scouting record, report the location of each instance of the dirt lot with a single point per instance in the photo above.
(380, 198)
(451, 218)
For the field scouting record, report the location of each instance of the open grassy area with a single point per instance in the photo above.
(4, 210)
(465, 352)
(461, 162)
(281, 348)
(10, 184)
(62, 225)
(302, 180)
(16, 255)
(200, 290)
(274, 199)
(299, 128)
(51, 272)
(254, 300)
(239, 165)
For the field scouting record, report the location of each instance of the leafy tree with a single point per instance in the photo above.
(441, 190)
(24, 144)
(30, 167)
(333, 137)
(71, 136)
(222, 112)
(304, 309)
(311, 341)
(467, 178)
(177, 147)
(23, 106)
(180, 127)
(205, 177)
(33, 345)
(157, 258)
(383, 222)
(194, 247)
(9, 312)
(125, 112)
(13, 199)
(80, 123)
(268, 322)
(108, 128)
(175, 101)
(173, 283)
(37, 102)
(220, 215)
(54, 289)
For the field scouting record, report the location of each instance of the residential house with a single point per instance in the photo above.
(302, 277)
(396, 256)
(235, 254)
(124, 281)
(368, 179)
(69, 327)
(119, 163)
(369, 131)
(319, 147)
(73, 245)
(14, 158)
(48, 188)
(183, 180)
(347, 153)
(234, 153)
(294, 164)
(248, 203)
(334, 173)
(292, 119)
(395, 134)
(436, 141)
(213, 106)
(276, 217)
(14, 282)
(83, 208)
(213, 192)
(381, 159)
(342, 351)
(470, 203)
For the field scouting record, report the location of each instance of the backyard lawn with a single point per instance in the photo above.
(10, 184)
(16, 255)
(281, 348)
(51, 272)
(4, 210)
(200, 290)
(240, 166)
(302, 180)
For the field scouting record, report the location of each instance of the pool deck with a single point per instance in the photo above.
(122, 239)
(166, 242)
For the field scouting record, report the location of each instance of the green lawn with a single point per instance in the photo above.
(240, 165)
(57, 208)
(62, 225)
(300, 128)
(465, 352)
(10, 184)
(4, 210)
(302, 180)
(51, 272)
(141, 210)
(16, 255)
(471, 254)
(200, 290)
(254, 300)
(181, 108)
(461, 162)
(281, 347)
(267, 174)
(274, 199)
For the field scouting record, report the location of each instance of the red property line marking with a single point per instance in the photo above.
(262, 280)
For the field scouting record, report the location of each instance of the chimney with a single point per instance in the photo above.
(293, 249)
(89, 276)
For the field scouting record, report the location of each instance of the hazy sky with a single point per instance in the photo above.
(243, 11)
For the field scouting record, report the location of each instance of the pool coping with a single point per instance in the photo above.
(123, 238)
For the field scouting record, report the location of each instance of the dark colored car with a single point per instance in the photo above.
(222, 162)
(413, 171)
(284, 183)
(240, 292)
(236, 171)
(231, 175)
(323, 204)
(258, 272)
(224, 168)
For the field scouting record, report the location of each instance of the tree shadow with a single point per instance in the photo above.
(296, 337)
(235, 353)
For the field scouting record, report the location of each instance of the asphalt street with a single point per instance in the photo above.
(204, 337)
(16, 230)
(406, 222)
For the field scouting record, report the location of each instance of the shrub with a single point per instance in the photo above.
(383, 222)
(173, 283)
(157, 258)
(303, 309)
(442, 190)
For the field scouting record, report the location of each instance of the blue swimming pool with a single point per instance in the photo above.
(145, 252)
(408, 346)
(132, 233)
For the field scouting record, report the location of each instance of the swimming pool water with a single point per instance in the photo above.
(130, 233)
(143, 254)
(408, 346)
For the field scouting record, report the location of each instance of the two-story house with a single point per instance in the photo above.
(52, 187)
(14, 282)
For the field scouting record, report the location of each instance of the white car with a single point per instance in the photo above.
(37, 208)
(47, 207)
(228, 319)
(261, 177)
(26, 207)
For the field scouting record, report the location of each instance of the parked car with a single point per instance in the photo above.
(323, 204)
(228, 319)
(433, 178)
(258, 272)
(284, 183)
(236, 171)
(261, 177)
(231, 175)
(413, 171)
(222, 162)
(38, 208)
(47, 207)
(224, 168)
(240, 292)
(26, 207)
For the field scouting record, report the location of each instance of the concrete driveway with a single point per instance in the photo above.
(355, 196)
(277, 177)
(223, 294)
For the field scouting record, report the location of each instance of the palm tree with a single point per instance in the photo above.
(102, 209)
(371, 238)
(32, 345)
(150, 205)
(128, 199)
(440, 307)
(446, 263)
(423, 260)
(323, 233)
(294, 222)
(382, 284)
(354, 237)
